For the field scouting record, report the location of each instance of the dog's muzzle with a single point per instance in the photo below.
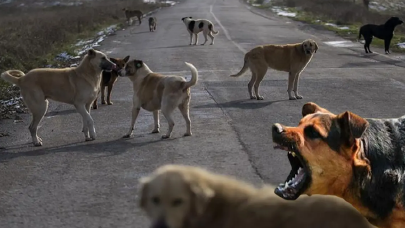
(121, 73)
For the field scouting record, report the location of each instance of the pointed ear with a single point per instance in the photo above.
(316, 46)
(143, 191)
(311, 107)
(114, 60)
(126, 58)
(202, 195)
(91, 52)
(351, 126)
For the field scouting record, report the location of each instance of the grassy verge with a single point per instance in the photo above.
(342, 13)
(32, 37)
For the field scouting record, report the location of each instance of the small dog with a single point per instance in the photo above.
(154, 92)
(360, 160)
(291, 58)
(129, 14)
(384, 32)
(108, 80)
(198, 25)
(152, 24)
(78, 86)
(178, 196)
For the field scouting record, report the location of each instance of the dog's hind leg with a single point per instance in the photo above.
(205, 36)
(184, 109)
(250, 85)
(196, 38)
(212, 38)
(191, 38)
(167, 110)
(38, 107)
(297, 76)
(156, 122)
(259, 77)
(368, 41)
(387, 43)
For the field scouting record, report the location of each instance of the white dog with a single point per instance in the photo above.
(198, 25)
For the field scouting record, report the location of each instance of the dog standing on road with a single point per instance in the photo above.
(384, 32)
(108, 80)
(129, 14)
(198, 25)
(154, 92)
(178, 196)
(78, 86)
(361, 160)
(291, 58)
(152, 24)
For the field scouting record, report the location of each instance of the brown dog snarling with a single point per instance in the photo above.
(360, 160)
(108, 80)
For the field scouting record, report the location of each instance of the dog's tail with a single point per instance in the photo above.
(12, 76)
(194, 77)
(360, 33)
(244, 68)
(211, 27)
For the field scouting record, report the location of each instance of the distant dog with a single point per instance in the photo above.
(178, 196)
(152, 24)
(291, 58)
(198, 25)
(78, 86)
(154, 92)
(361, 160)
(129, 14)
(108, 80)
(384, 32)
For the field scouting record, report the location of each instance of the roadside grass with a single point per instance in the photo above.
(341, 13)
(32, 37)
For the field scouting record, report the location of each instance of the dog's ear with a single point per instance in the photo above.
(316, 46)
(143, 191)
(351, 126)
(126, 59)
(91, 53)
(201, 196)
(311, 107)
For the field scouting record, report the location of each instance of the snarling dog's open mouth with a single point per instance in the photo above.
(300, 175)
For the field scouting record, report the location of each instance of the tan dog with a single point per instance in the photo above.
(77, 86)
(291, 58)
(177, 196)
(154, 92)
(129, 14)
(359, 159)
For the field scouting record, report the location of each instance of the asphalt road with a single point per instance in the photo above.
(71, 183)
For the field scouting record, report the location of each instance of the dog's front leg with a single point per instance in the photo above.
(135, 112)
(291, 78)
(88, 122)
(156, 122)
(102, 94)
(296, 86)
(109, 90)
(196, 39)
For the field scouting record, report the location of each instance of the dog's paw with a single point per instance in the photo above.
(211, 43)
(37, 143)
(293, 98)
(299, 97)
(253, 97)
(126, 136)
(103, 102)
(165, 136)
(109, 103)
(90, 139)
(155, 131)
(260, 98)
(94, 107)
(188, 134)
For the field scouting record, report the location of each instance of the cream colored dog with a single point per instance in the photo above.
(78, 86)
(291, 58)
(154, 92)
(177, 196)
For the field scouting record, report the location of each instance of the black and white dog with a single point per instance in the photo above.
(384, 31)
(195, 26)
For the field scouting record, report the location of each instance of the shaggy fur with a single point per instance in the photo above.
(195, 26)
(360, 160)
(177, 196)
(152, 24)
(129, 14)
(384, 32)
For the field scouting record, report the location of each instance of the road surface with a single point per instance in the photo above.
(71, 183)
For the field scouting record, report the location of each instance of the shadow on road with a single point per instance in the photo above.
(178, 46)
(106, 148)
(381, 60)
(241, 104)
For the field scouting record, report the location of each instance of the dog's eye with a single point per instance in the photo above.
(311, 133)
(155, 200)
(177, 202)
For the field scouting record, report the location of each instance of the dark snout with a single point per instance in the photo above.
(161, 223)
(277, 129)
(107, 65)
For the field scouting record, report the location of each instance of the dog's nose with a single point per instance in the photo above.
(160, 224)
(277, 128)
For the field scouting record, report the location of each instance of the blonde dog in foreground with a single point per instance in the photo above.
(177, 196)
(78, 86)
(291, 58)
(154, 92)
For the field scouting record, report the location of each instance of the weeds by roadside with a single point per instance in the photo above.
(32, 37)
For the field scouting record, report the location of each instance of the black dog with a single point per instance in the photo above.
(384, 32)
